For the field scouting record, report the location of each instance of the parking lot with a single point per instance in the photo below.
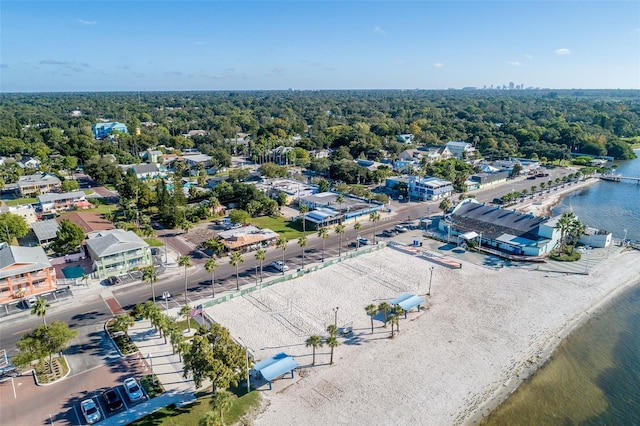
(22, 306)
(25, 403)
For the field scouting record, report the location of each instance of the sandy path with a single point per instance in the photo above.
(484, 332)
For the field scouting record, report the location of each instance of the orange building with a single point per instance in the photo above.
(24, 272)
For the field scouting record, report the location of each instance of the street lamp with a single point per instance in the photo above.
(335, 317)
(246, 350)
(430, 280)
(256, 275)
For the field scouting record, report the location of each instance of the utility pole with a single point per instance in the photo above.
(430, 280)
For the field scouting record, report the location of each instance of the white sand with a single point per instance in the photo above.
(483, 333)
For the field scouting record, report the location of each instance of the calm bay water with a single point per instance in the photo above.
(594, 376)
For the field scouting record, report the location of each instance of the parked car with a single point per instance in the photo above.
(279, 265)
(531, 177)
(29, 302)
(389, 233)
(114, 280)
(363, 241)
(497, 201)
(90, 411)
(112, 400)
(132, 388)
(401, 228)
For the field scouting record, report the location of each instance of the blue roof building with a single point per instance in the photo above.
(102, 130)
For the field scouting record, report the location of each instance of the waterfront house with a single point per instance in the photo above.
(56, 202)
(116, 251)
(24, 272)
(35, 184)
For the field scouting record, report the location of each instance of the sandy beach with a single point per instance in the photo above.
(484, 331)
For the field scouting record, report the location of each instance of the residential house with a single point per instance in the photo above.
(90, 221)
(56, 202)
(406, 138)
(102, 130)
(528, 166)
(461, 150)
(421, 188)
(38, 183)
(192, 133)
(408, 160)
(501, 230)
(146, 171)
(320, 153)
(195, 160)
(45, 230)
(325, 210)
(27, 212)
(292, 189)
(29, 163)
(247, 238)
(24, 272)
(116, 252)
(151, 156)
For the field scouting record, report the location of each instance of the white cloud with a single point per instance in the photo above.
(378, 30)
(529, 57)
(515, 63)
(83, 22)
(438, 65)
(562, 52)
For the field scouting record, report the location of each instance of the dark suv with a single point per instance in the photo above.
(112, 400)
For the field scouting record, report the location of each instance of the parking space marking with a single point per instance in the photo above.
(80, 422)
(122, 398)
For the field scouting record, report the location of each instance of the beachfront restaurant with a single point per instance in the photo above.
(500, 231)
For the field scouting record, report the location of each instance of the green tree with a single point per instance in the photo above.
(323, 185)
(394, 320)
(210, 266)
(384, 308)
(371, 310)
(122, 323)
(185, 312)
(445, 204)
(68, 238)
(185, 262)
(221, 401)
(332, 342)
(12, 226)
(374, 217)
(314, 341)
(43, 341)
(211, 418)
(356, 227)
(324, 234)
(69, 185)
(261, 256)
(340, 231)
(149, 275)
(302, 242)
(39, 308)
(282, 245)
(340, 201)
(235, 260)
(215, 245)
(239, 216)
(303, 210)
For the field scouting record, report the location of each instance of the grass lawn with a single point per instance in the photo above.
(191, 414)
(183, 325)
(19, 201)
(153, 242)
(281, 225)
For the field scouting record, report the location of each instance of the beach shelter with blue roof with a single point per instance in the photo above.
(275, 367)
(408, 301)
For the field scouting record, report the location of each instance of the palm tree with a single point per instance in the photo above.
(324, 234)
(332, 342)
(149, 275)
(85, 278)
(261, 255)
(393, 319)
(39, 308)
(282, 245)
(122, 322)
(303, 210)
(371, 310)
(185, 312)
(210, 266)
(445, 204)
(340, 230)
(314, 341)
(235, 260)
(356, 227)
(186, 263)
(384, 308)
(340, 200)
(398, 311)
(374, 217)
(215, 245)
(221, 401)
(302, 242)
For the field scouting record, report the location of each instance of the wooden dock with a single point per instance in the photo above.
(619, 178)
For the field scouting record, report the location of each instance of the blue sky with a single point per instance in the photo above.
(247, 45)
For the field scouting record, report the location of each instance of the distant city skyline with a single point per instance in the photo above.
(52, 46)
